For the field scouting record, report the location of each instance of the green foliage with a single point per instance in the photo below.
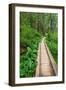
(30, 38)
(27, 66)
(52, 42)
(28, 62)
(33, 26)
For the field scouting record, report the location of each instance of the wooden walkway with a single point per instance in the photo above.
(44, 67)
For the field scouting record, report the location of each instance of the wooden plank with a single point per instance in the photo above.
(44, 67)
(54, 65)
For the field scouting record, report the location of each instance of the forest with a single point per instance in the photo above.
(33, 27)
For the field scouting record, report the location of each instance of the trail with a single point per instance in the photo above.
(44, 67)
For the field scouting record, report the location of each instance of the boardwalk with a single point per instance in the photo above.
(44, 67)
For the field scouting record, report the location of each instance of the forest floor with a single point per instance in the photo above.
(44, 67)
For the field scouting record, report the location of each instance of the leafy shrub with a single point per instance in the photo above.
(29, 38)
(52, 42)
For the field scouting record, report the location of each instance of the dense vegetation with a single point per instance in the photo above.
(52, 42)
(52, 36)
(34, 26)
